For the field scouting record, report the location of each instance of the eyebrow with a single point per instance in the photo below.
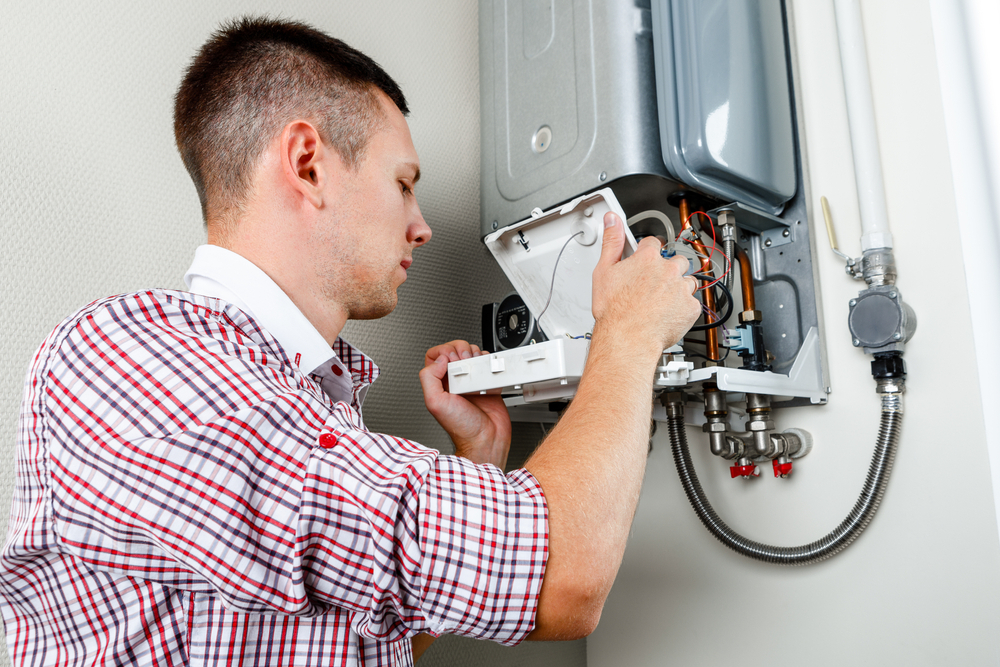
(416, 170)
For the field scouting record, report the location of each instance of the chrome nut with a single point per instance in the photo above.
(889, 386)
(714, 427)
(760, 426)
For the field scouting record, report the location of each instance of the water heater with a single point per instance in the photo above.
(670, 105)
(679, 115)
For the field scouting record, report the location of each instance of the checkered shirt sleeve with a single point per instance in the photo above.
(180, 479)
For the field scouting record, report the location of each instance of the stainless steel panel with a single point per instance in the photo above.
(583, 69)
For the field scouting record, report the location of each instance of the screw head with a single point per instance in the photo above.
(856, 342)
(786, 233)
(897, 336)
(495, 225)
(892, 295)
(604, 175)
(767, 243)
(853, 302)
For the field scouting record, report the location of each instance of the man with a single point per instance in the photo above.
(196, 484)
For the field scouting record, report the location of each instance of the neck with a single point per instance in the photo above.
(282, 264)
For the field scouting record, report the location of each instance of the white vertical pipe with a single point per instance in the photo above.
(861, 116)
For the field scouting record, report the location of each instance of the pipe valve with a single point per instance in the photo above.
(782, 466)
(744, 468)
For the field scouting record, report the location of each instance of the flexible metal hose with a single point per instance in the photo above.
(823, 548)
(729, 249)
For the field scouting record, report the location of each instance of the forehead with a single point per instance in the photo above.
(392, 141)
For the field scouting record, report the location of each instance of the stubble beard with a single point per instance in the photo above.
(378, 300)
(345, 280)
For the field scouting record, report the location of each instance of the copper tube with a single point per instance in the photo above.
(707, 295)
(711, 335)
(746, 279)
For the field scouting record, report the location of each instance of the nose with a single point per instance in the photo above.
(418, 232)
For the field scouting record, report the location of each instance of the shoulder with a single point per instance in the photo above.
(148, 319)
(158, 341)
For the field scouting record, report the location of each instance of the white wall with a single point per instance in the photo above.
(964, 36)
(94, 199)
(922, 585)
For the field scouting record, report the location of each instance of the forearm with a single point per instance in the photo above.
(590, 468)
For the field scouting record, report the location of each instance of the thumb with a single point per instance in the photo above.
(614, 240)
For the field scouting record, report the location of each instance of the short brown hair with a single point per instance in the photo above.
(255, 75)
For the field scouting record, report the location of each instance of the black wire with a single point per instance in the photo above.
(729, 305)
(705, 356)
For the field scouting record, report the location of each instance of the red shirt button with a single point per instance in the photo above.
(327, 440)
(336, 370)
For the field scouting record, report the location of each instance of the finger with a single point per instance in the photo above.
(693, 283)
(614, 240)
(432, 380)
(437, 351)
(680, 263)
(463, 349)
(649, 243)
(453, 350)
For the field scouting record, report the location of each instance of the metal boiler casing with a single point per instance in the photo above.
(647, 98)
(653, 98)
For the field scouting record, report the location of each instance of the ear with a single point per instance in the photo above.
(305, 166)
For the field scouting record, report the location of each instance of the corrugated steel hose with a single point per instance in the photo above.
(823, 548)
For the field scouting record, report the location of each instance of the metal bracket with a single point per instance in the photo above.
(773, 238)
(753, 220)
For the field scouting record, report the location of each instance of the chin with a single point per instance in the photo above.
(374, 309)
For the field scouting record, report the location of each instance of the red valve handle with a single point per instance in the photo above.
(781, 469)
(743, 471)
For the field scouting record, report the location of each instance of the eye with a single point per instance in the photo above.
(405, 188)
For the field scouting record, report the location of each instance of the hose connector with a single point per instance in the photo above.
(889, 372)
(727, 229)
(673, 401)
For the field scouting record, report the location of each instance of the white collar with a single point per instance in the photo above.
(223, 274)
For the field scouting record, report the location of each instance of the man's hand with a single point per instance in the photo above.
(646, 296)
(478, 425)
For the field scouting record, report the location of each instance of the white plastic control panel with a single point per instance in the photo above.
(550, 260)
(542, 372)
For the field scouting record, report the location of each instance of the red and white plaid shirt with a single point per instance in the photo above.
(187, 495)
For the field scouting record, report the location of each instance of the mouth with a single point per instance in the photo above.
(406, 263)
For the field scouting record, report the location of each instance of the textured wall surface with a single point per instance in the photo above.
(94, 199)
(921, 586)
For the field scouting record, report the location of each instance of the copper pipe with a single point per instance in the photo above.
(746, 279)
(707, 295)
(706, 263)
(711, 335)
